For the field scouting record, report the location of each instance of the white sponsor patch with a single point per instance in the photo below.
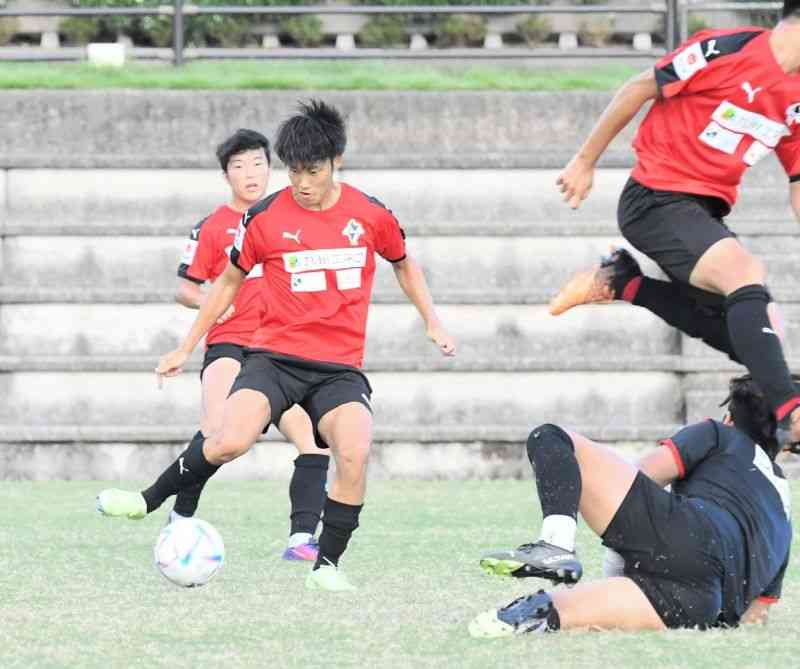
(689, 61)
(189, 252)
(756, 153)
(746, 122)
(721, 139)
(333, 259)
(347, 279)
(309, 282)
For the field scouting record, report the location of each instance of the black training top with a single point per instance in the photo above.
(721, 465)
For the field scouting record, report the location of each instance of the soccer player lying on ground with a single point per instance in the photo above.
(245, 161)
(723, 101)
(317, 241)
(712, 552)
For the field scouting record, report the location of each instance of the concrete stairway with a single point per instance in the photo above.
(89, 259)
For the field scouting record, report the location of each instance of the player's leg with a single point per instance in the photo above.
(255, 396)
(221, 365)
(614, 603)
(728, 268)
(307, 486)
(572, 473)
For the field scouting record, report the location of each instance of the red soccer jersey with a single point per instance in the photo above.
(724, 104)
(319, 267)
(205, 257)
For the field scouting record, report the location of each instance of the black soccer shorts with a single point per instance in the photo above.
(674, 229)
(217, 351)
(318, 387)
(671, 550)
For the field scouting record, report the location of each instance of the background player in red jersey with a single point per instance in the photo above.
(245, 161)
(317, 241)
(723, 101)
(711, 552)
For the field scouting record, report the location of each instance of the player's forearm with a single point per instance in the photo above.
(659, 466)
(621, 110)
(415, 286)
(757, 614)
(190, 295)
(219, 298)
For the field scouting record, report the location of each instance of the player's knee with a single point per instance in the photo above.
(352, 461)
(229, 446)
(548, 435)
(751, 271)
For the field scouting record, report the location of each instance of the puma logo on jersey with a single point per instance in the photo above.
(751, 93)
(295, 237)
(769, 331)
(181, 468)
(712, 49)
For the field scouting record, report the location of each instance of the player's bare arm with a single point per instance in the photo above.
(794, 196)
(192, 296)
(660, 466)
(220, 297)
(757, 613)
(412, 281)
(575, 182)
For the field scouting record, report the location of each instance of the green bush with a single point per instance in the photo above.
(305, 30)
(8, 28)
(696, 24)
(460, 30)
(384, 31)
(596, 32)
(535, 29)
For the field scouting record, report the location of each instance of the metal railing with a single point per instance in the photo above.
(669, 9)
(686, 7)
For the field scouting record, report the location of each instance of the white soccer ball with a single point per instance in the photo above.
(189, 552)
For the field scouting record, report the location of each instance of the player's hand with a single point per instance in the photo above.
(445, 343)
(576, 181)
(170, 365)
(227, 315)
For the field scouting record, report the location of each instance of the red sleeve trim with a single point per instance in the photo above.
(676, 455)
(785, 409)
(764, 599)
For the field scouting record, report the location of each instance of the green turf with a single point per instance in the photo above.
(78, 590)
(281, 75)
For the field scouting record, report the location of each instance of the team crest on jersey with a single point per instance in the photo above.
(793, 114)
(353, 231)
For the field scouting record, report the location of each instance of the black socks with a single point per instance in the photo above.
(339, 521)
(190, 469)
(558, 477)
(187, 500)
(759, 347)
(307, 492)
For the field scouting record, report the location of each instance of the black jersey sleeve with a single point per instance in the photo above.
(693, 444)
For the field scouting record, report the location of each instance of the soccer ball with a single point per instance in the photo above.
(189, 552)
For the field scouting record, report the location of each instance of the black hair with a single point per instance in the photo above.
(316, 134)
(751, 414)
(791, 9)
(240, 141)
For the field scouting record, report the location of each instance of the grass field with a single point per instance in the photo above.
(78, 590)
(239, 75)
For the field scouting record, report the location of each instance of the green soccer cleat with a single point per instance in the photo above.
(117, 503)
(328, 577)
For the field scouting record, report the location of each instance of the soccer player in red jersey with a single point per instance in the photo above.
(723, 101)
(317, 241)
(245, 161)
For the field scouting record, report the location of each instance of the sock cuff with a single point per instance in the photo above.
(312, 461)
(340, 514)
(754, 291)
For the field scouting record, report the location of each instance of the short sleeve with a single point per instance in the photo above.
(197, 258)
(686, 70)
(788, 152)
(773, 592)
(390, 238)
(247, 250)
(691, 445)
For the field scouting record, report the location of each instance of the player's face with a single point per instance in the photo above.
(248, 175)
(313, 184)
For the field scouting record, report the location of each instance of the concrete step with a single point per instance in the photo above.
(427, 202)
(503, 334)
(494, 270)
(403, 401)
